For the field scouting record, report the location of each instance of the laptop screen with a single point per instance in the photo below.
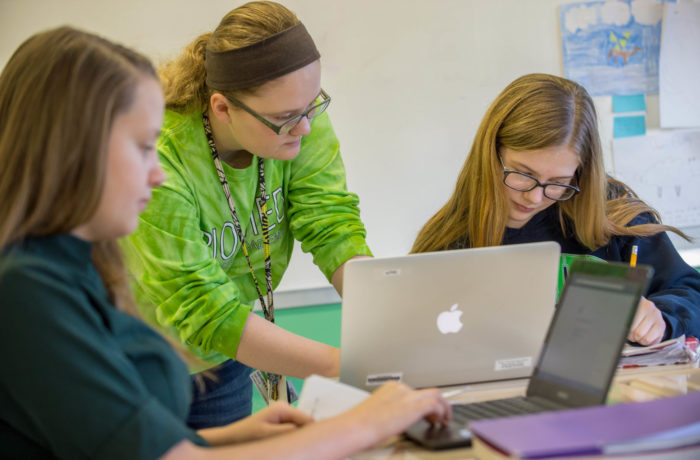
(581, 351)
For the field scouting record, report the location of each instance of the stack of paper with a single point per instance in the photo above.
(674, 351)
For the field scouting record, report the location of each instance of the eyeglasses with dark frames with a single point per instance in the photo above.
(290, 124)
(524, 183)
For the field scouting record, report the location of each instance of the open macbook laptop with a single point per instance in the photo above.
(446, 318)
(579, 356)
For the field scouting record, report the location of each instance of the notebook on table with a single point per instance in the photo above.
(447, 318)
(579, 356)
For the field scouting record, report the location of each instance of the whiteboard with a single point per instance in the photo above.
(410, 81)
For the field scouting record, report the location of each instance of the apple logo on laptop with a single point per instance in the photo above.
(448, 321)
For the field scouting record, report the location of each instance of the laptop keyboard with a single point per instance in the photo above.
(465, 413)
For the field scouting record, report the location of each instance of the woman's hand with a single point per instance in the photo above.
(648, 325)
(394, 407)
(276, 419)
(385, 413)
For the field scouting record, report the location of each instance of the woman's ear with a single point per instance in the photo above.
(220, 107)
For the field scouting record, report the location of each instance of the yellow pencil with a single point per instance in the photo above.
(633, 257)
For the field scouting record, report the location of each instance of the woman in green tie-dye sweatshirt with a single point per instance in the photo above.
(259, 104)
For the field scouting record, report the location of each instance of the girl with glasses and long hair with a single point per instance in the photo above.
(535, 172)
(82, 376)
(253, 165)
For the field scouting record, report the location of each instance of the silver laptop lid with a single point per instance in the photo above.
(449, 317)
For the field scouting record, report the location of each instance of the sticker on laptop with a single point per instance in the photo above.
(378, 379)
(512, 363)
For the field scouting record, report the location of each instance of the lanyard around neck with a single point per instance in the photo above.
(268, 308)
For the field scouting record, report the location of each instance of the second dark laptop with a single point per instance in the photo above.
(579, 356)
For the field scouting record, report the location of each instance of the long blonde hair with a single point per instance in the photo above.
(534, 112)
(184, 78)
(60, 93)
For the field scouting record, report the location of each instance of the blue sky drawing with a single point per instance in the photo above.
(590, 31)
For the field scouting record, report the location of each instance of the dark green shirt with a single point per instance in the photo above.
(78, 378)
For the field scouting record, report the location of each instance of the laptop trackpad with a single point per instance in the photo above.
(439, 436)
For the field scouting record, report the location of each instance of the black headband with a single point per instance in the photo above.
(260, 62)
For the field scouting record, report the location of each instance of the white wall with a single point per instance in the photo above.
(410, 81)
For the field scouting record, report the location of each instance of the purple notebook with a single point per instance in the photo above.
(591, 430)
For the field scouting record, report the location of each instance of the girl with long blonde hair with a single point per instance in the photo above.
(535, 172)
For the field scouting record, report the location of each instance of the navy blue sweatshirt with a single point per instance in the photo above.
(675, 287)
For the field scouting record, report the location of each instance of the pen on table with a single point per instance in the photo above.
(458, 391)
(633, 256)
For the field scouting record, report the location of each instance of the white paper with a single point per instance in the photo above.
(663, 169)
(679, 66)
(631, 350)
(322, 397)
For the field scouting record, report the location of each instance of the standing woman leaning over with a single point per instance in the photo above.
(535, 173)
(252, 164)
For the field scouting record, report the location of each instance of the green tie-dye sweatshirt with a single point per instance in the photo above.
(190, 276)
